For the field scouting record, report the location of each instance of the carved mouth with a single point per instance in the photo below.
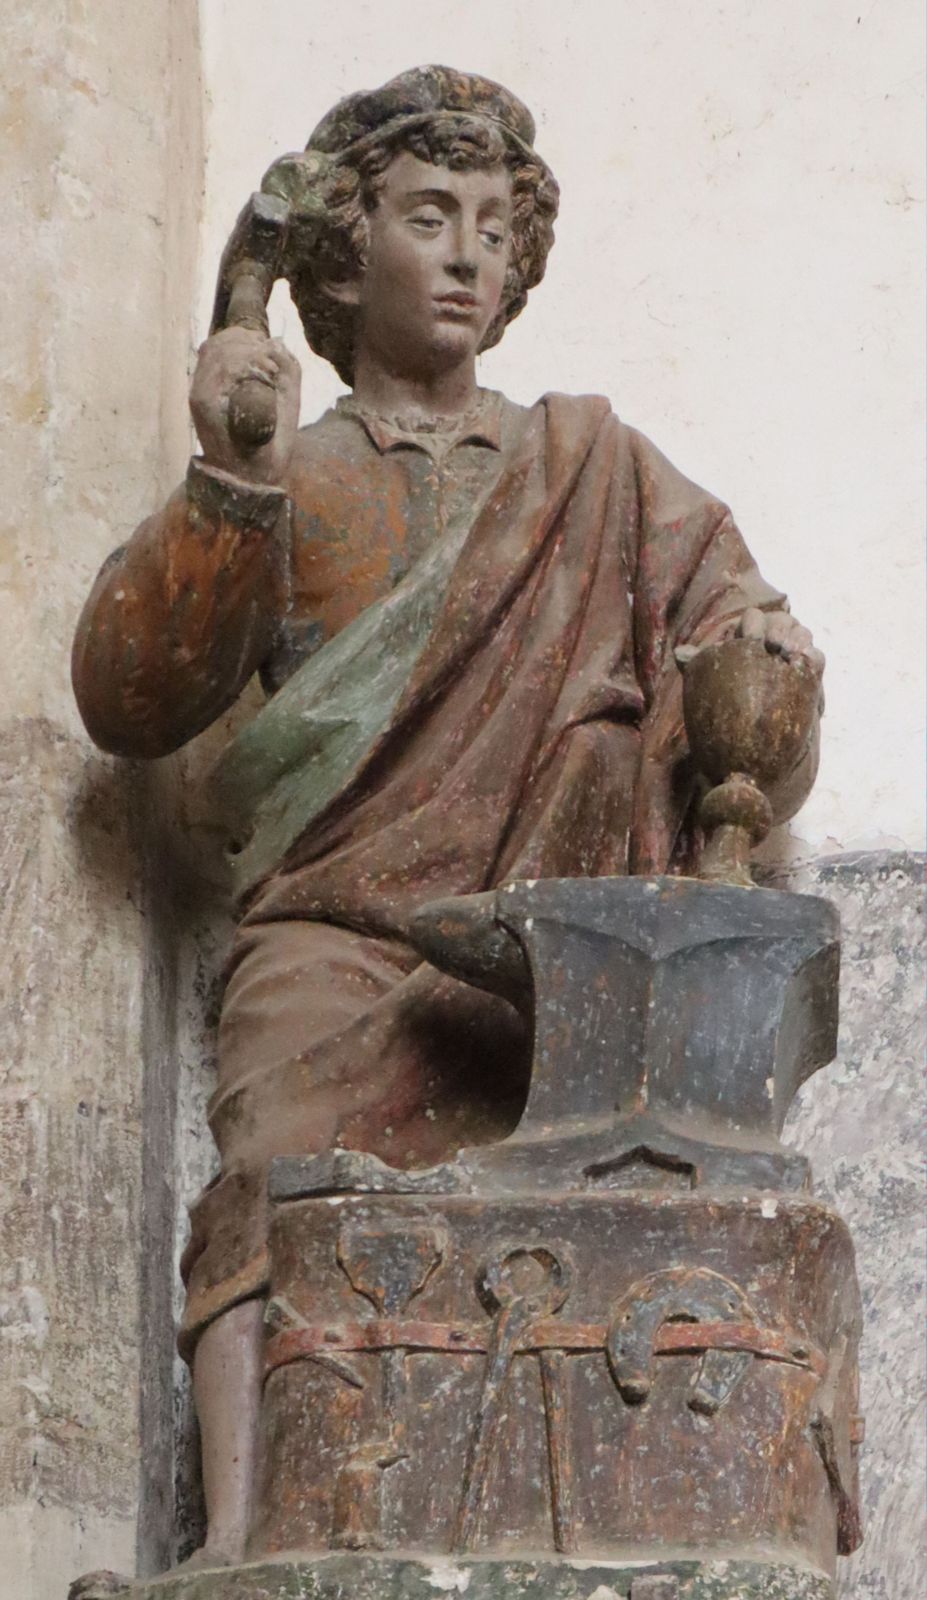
(458, 301)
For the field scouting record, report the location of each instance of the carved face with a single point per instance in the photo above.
(436, 262)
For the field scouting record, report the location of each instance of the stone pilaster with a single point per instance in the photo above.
(102, 146)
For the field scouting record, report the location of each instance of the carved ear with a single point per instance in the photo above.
(346, 292)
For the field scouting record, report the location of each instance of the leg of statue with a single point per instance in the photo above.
(327, 1037)
(227, 1391)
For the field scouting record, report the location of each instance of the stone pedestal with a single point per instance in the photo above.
(604, 1375)
(364, 1577)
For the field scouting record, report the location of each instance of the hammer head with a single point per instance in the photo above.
(255, 248)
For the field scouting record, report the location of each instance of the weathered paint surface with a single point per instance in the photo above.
(365, 1578)
(619, 1329)
(772, 354)
(439, 1424)
(879, 1183)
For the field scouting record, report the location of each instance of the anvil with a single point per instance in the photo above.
(673, 1022)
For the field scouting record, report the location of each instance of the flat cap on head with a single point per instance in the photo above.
(422, 92)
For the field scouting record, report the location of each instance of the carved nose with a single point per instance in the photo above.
(463, 268)
(463, 254)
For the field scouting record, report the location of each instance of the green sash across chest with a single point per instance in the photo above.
(282, 770)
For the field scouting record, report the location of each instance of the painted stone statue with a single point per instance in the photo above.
(474, 623)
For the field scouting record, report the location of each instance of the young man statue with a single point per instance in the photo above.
(464, 613)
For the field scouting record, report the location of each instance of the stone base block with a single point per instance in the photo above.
(621, 1372)
(364, 1577)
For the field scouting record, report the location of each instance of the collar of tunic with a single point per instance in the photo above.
(436, 436)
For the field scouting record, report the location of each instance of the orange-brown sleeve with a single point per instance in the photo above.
(181, 616)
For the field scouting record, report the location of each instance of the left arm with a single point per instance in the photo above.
(696, 583)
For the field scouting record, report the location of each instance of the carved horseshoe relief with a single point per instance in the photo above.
(679, 1294)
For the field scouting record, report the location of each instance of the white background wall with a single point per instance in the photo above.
(738, 267)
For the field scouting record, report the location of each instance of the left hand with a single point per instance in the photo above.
(782, 636)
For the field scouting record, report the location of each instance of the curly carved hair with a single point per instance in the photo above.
(337, 249)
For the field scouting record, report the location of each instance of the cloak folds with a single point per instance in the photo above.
(539, 734)
(591, 562)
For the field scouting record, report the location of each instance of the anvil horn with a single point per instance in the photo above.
(463, 936)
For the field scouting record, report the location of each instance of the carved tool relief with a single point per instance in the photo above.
(389, 1267)
(522, 1283)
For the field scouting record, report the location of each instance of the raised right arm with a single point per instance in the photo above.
(181, 616)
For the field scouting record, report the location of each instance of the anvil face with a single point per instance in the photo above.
(673, 1020)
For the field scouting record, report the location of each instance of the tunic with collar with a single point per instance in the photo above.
(232, 579)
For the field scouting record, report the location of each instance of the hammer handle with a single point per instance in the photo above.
(252, 418)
